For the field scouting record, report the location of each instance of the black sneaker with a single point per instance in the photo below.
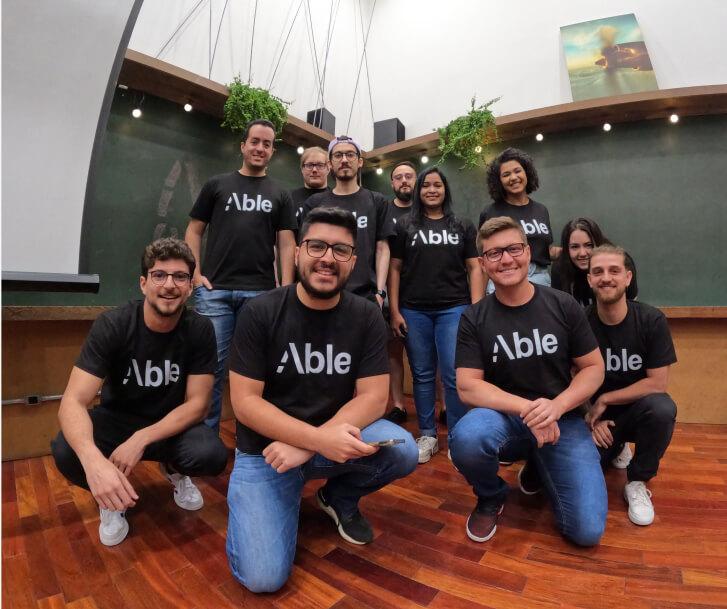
(482, 522)
(397, 415)
(354, 529)
(529, 479)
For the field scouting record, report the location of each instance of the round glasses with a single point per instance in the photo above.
(179, 278)
(317, 249)
(495, 254)
(312, 166)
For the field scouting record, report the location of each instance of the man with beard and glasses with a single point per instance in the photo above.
(155, 360)
(403, 178)
(309, 381)
(632, 404)
(526, 359)
(315, 170)
(373, 219)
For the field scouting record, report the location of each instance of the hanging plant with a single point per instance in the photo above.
(466, 137)
(246, 103)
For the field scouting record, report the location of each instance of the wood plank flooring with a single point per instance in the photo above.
(52, 557)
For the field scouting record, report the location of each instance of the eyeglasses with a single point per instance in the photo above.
(495, 254)
(180, 278)
(349, 154)
(317, 249)
(312, 166)
(403, 176)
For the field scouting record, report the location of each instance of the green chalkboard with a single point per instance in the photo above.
(150, 172)
(660, 190)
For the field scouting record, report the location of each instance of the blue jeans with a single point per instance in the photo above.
(262, 526)
(536, 274)
(570, 470)
(222, 307)
(432, 338)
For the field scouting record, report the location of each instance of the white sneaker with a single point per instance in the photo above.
(186, 494)
(624, 457)
(113, 528)
(427, 446)
(641, 510)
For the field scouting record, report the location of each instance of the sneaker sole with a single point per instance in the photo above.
(431, 454)
(189, 507)
(520, 484)
(481, 539)
(635, 519)
(116, 539)
(332, 513)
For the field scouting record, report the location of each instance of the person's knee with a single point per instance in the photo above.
(472, 439)
(66, 460)
(663, 408)
(260, 582)
(200, 453)
(587, 532)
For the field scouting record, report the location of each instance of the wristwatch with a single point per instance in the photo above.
(381, 293)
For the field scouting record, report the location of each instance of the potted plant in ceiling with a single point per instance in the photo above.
(246, 103)
(466, 137)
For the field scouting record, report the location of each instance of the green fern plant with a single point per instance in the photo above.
(246, 103)
(466, 137)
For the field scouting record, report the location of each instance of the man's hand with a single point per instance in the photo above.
(546, 435)
(398, 325)
(541, 413)
(283, 457)
(128, 454)
(601, 434)
(109, 486)
(342, 442)
(199, 280)
(595, 412)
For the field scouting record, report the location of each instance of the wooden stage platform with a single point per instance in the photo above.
(52, 558)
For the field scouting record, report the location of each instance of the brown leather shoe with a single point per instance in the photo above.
(482, 523)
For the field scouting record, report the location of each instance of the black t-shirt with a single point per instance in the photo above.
(535, 220)
(397, 213)
(243, 214)
(146, 372)
(300, 196)
(374, 224)
(642, 341)
(525, 350)
(309, 360)
(580, 290)
(433, 270)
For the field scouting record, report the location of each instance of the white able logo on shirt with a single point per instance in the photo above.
(622, 362)
(315, 362)
(154, 376)
(432, 237)
(524, 346)
(361, 221)
(533, 227)
(249, 204)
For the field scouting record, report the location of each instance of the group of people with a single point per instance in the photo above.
(560, 378)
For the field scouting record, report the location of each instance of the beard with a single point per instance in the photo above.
(403, 196)
(322, 294)
(609, 299)
(166, 312)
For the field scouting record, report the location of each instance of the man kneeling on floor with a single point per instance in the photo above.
(632, 404)
(156, 361)
(515, 352)
(299, 356)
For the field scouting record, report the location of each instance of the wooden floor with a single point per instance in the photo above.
(52, 557)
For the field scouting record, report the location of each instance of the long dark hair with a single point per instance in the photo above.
(494, 184)
(417, 215)
(564, 265)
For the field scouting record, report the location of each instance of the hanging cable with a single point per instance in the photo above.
(209, 42)
(282, 33)
(366, 60)
(360, 65)
(272, 78)
(329, 37)
(252, 41)
(179, 27)
(314, 50)
(217, 39)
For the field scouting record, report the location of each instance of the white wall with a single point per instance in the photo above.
(56, 62)
(427, 58)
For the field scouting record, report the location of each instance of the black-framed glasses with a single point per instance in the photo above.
(312, 166)
(514, 249)
(180, 278)
(317, 249)
(349, 154)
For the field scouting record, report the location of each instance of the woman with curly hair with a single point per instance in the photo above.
(578, 238)
(511, 177)
(434, 275)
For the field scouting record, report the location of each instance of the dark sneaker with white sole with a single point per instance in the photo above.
(354, 529)
(529, 479)
(482, 523)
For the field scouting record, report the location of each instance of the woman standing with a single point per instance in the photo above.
(511, 177)
(434, 275)
(578, 238)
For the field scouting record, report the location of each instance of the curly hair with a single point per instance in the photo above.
(167, 248)
(494, 184)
